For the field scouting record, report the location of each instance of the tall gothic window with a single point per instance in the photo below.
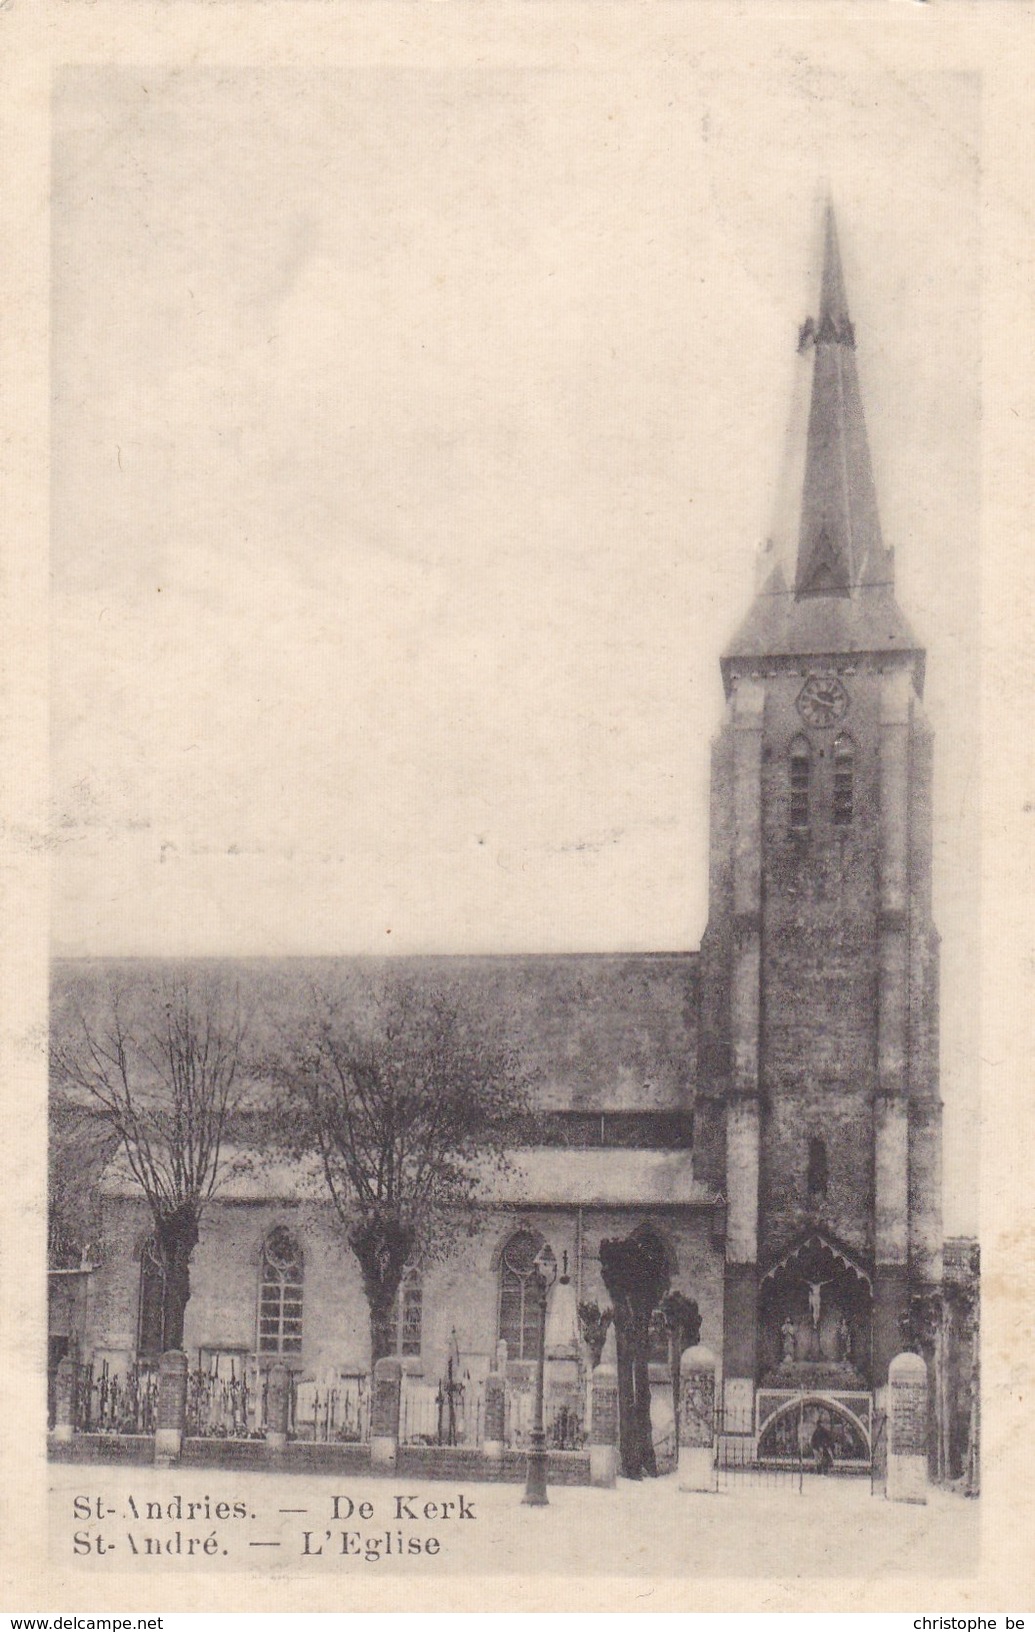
(844, 777)
(519, 1323)
(801, 773)
(280, 1295)
(402, 1329)
(151, 1308)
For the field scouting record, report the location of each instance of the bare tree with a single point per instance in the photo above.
(407, 1098)
(80, 1147)
(159, 1061)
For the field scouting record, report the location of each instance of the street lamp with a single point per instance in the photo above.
(544, 1273)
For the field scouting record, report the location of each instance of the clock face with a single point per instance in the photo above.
(822, 700)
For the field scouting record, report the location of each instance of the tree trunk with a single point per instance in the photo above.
(177, 1238)
(382, 1246)
(382, 1337)
(628, 1433)
(635, 1274)
(641, 1385)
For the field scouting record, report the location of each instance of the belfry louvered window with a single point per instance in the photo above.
(801, 775)
(844, 780)
(280, 1295)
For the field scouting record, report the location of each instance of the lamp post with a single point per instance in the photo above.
(544, 1273)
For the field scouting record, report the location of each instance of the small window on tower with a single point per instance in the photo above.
(817, 1171)
(844, 777)
(801, 770)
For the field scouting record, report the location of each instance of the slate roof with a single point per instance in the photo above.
(598, 1032)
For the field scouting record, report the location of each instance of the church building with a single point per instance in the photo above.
(768, 1107)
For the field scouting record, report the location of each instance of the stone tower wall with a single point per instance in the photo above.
(819, 972)
(819, 993)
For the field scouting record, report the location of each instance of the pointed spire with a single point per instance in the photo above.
(834, 323)
(826, 540)
(839, 540)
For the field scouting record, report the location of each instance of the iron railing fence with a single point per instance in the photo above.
(790, 1437)
(331, 1410)
(228, 1398)
(565, 1428)
(738, 1465)
(109, 1401)
(564, 1421)
(447, 1412)
(228, 1404)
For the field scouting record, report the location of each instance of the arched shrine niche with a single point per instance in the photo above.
(789, 1433)
(815, 1317)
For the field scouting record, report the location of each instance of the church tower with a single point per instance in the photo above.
(819, 1026)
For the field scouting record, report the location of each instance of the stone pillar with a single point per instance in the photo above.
(697, 1419)
(740, 1290)
(495, 1416)
(895, 708)
(891, 1230)
(925, 1182)
(740, 1296)
(891, 1111)
(907, 1429)
(64, 1399)
(603, 1426)
(384, 1418)
(278, 1402)
(172, 1405)
(890, 1316)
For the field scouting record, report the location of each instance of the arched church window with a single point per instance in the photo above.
(519, 1322)
(151, 1308)
(280, 1294)
(844, 778)
(801, 775)
(816, 1179)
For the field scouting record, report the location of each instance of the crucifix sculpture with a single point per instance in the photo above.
(815, 1298)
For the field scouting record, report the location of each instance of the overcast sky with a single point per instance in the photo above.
(414, 434)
